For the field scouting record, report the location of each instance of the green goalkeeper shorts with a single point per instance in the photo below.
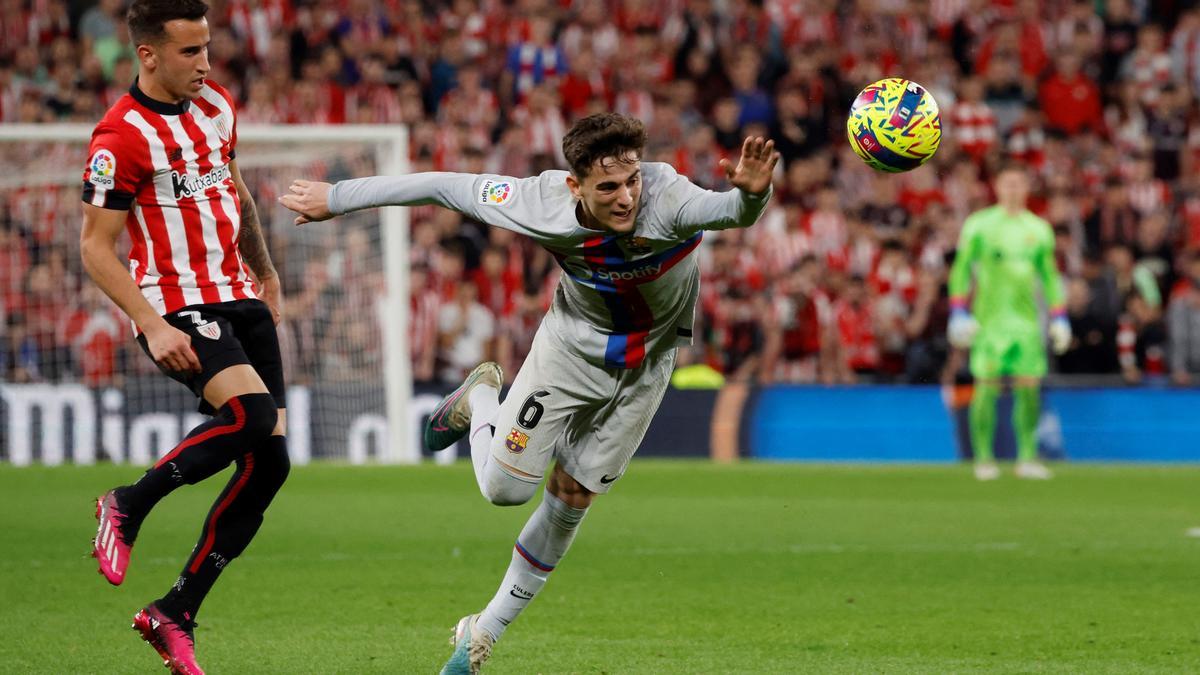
(996, 354)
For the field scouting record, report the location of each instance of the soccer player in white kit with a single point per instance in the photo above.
(625, 234)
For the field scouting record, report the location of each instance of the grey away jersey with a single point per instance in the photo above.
(622, 297)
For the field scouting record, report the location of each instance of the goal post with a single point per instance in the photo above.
(361, 413)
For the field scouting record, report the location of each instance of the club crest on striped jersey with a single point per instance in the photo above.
(210, 330)
(496, 192)
(103, 169)
(516, 441)
(222, 128)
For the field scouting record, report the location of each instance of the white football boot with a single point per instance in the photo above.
(986, 471)
(1033, 471)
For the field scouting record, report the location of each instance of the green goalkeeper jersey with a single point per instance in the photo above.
(1007, 253)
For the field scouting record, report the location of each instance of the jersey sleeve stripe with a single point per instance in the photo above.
(117, 200)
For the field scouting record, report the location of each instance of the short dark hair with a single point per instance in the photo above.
(1010, 164)
(600, 136)
(147, 19)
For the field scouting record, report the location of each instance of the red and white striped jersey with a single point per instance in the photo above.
(168, 165)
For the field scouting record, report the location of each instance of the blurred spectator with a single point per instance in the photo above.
(517, 329)
(972, 121)
(425, 314)
(928, 347)
(1132, 279)
(99, 22)
(799, 130)
(465, 333)
(1183, 324)
(797, 347)
(1112, 128)
(1070, 99)
(1120, 36)
(534, 60)
(1093, 342)
(854, 314)
(1114, 221)
(497, 283)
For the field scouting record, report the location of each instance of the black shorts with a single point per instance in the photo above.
(228, 334)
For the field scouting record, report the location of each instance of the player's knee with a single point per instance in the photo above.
(274, 464)
(259, 414)
(503, 489)
(568, 490)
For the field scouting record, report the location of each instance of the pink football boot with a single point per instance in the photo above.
(170, 638)
(113, 543)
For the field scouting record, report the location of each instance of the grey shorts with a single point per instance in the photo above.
(588, 417)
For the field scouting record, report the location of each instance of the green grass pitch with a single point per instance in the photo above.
(686, 567)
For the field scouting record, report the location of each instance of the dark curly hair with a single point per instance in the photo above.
(147, 19)
(602, 136)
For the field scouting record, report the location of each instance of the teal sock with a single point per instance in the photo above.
(983, 420)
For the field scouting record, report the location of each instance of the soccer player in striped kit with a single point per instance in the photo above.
(625, 234)
(204, 299)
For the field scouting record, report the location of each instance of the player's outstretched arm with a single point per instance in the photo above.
(315, 200)
(754, 169)
(700, 209)
(309, 199)
(502, 201)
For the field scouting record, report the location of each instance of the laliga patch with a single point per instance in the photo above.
(496, 192)
(102, 169)
(516, 441)
(209, 329)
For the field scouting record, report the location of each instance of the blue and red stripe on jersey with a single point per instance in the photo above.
(617, 280)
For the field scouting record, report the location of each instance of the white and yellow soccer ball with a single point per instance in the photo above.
(894, 125)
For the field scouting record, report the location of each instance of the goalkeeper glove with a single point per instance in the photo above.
(1060, 334)
(962, 328)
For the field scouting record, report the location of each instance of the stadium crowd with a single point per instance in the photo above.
(842, 280)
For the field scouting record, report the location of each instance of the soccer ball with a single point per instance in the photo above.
(894, 125)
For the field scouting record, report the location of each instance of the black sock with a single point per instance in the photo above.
(209, 448)
(231, 524)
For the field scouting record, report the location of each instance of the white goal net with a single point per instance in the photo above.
(75, 387)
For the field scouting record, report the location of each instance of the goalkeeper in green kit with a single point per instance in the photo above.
(1009, 249)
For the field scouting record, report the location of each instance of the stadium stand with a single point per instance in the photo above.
(844, 278)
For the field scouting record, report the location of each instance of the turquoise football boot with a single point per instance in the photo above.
(471, 648)
(452, 418)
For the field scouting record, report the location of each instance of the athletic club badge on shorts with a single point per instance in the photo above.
(209, 329)
(516, 441)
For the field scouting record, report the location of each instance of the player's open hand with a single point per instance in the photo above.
(171, 348)
(753, 171)
(310, 199)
